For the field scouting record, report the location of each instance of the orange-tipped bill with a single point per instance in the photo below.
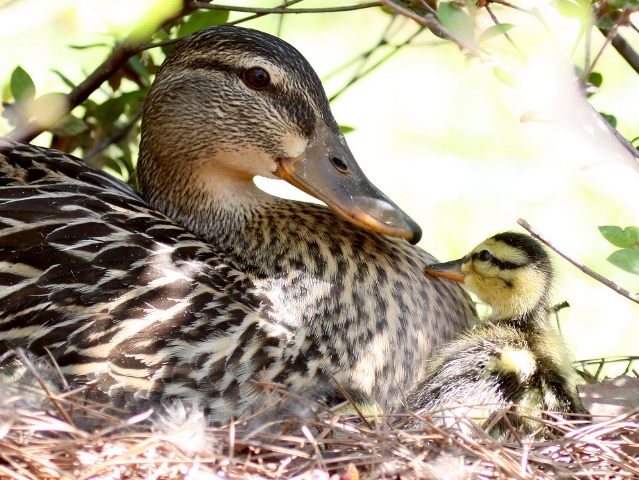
(448, 270)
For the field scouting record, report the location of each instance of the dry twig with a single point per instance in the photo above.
(588, 271)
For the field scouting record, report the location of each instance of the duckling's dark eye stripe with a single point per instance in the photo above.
(501, 264)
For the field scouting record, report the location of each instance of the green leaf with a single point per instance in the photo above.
(64, 78)
(346, 129)
(568, 9)
(89, 46)
(22, 87)
(622, 238)
(70, 127)
(202, 19)
(456, 21)
(109, 111)
(611, 119)
(137, 67)
(494, 31)
(595, 78)
(626, 259)
(504, 76)
(608, 20)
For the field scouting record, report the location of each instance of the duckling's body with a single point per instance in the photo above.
(515, 356)
(209, 285)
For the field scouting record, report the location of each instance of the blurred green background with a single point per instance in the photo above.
(465, 146)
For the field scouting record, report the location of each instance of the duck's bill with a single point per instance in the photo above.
(448, 270)
(328, 172)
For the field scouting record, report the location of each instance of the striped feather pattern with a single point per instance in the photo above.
(236, 287)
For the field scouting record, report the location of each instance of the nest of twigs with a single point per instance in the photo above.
(45, 435)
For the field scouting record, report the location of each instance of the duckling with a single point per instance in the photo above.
(202, 287)
(515, 356)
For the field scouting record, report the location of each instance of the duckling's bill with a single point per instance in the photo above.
(449, 270)
(328, 171)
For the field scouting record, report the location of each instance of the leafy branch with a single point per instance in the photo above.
(106, 132)
(588, 271)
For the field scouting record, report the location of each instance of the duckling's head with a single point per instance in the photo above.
(229, 104)
(510, 271)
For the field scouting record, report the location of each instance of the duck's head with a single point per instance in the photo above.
(229, 104)
(510, 271)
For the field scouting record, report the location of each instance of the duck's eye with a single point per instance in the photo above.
(339, 164)
(484, 256)
(257, 78)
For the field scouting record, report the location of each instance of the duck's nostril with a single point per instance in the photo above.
(339, 164)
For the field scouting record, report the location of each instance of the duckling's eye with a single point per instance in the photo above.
(257, 78)
(484, 256)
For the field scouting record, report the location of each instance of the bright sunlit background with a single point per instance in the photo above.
(459, 148)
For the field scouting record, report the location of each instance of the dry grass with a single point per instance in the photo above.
(44, 436)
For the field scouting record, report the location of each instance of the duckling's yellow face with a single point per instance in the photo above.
(510, 272)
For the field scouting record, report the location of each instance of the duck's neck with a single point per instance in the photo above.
(227, 210)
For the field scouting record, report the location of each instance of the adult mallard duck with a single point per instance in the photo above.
(203, 285)
(515, 356)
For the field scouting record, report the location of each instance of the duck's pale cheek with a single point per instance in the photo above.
(293, 145)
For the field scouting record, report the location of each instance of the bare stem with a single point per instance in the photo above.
(589, 68)
(510, 5)
(624, 49)
(234, 8)
(122, 52)
(506, 34)
(431, 22)
(117, 135)
(600, 278)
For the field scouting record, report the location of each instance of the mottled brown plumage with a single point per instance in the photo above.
(213, 285)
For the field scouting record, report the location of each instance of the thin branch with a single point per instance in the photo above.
(589, 68)
(361, 74)
(624, 49)
(171, 41)
(600, 278)
(147, 46)
(120, 54)
(117, 135)
(258, 15)
(425, 4)
(265, 11)
(431, 22)
(506, 34)
(510, 5)
(623, 141)
(362, 58)
(118, 57)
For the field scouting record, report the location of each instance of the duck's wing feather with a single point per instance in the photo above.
(93, 275)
